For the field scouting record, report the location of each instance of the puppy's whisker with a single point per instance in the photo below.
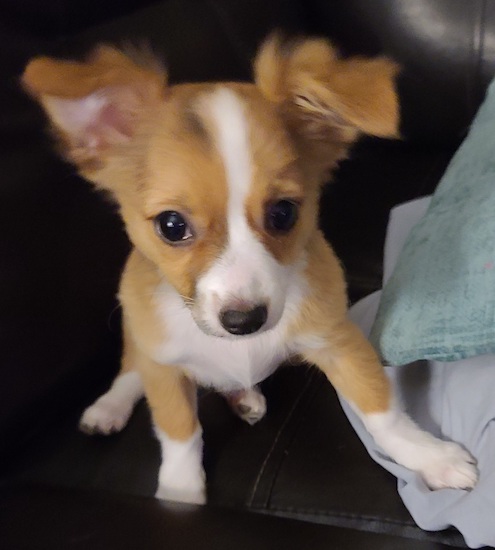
(188, 300)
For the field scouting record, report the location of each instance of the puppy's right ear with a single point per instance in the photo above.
(95, 105)
(328, 101)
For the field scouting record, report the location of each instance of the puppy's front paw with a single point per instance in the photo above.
(449, 465)
(248, 405)
(442, 464)
(105, 416)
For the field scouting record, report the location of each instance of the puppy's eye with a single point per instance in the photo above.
(172, 227)
(281, 216)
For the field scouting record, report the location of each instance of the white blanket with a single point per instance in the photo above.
(455, 400)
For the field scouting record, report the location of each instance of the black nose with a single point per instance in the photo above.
(244, 322)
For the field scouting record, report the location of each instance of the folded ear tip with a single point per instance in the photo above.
(32, 77)
(270, 51)
(386, 127)
(106, 53)
(394, 68)
(315, 49)
(274, 40)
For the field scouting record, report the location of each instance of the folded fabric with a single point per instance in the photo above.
(450, 399)
(440, 300)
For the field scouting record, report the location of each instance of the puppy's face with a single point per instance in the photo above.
(223, 209)
(218, 183)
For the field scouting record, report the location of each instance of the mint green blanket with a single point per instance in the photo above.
(440, 301)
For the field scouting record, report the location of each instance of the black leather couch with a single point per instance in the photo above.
(298, 479)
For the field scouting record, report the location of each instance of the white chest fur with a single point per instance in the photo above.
(223, 363)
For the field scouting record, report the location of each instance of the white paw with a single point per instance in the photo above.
(442, 464)
(105, 416)
(182, 488)
(182, 494)
(181, 476)
(449, 465)
(249, 405)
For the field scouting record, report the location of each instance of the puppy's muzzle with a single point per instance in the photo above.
(242, 322)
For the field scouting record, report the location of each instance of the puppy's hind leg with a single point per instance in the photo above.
(111, 411)
(352, 366)
(249, 405)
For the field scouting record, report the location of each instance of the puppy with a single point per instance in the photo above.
(218, 186)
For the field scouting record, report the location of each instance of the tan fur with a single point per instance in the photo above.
(153, 151)
(356, 92)
(105, 67)
(133, 86)
(176, 168)
(327, 101)
(138, 293)
(340, 349)
(278, 175)
(172, 399)
(171, 396)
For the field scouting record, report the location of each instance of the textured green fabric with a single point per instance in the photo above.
(440, 300)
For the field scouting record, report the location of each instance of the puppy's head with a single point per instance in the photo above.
(218, 183)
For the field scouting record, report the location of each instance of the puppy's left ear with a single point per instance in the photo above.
(95, 105)
(328, 101)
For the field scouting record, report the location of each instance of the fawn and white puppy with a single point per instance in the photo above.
(218, 186)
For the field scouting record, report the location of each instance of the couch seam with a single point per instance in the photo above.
(334, 513)
(282, 428)
(302, 514)
(311, 380)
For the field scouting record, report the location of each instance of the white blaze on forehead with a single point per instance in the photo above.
(244, 251)
(246, 271)
(228, 114)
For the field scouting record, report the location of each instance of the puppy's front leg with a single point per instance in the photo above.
(172, 400)
(353, 368)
